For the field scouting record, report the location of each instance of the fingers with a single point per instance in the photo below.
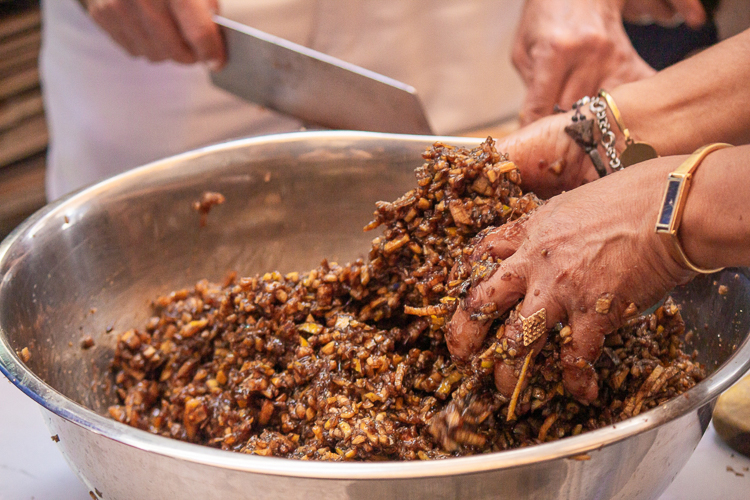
(195, 22)
(464, 336)
(656, 10)
(549, 73)
(179, 30)
(663, 11)
(117, 19)
(580, 83)
(628, 68)
(163, 36)
(692, 11)
(501, 242)
(504, 288)
(579, 355)
(507, 373)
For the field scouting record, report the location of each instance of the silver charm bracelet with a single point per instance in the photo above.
(582, 132)
(599, 108)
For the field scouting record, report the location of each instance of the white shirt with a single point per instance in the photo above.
(109, 112)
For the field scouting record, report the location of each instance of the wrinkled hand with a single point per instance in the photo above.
(590, 257)
(566, 49)
(160, 30)
(664, 11)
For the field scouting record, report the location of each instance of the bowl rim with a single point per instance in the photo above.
(53, 401)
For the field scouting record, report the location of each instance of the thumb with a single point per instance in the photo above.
(548, 159)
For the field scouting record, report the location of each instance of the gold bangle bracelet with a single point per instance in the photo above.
(616, 114)
(634, 152)
(673, 205)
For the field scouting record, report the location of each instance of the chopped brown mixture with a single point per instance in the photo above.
(348, 362)
(206, 203)
(25, 355)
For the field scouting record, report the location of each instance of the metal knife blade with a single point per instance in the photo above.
(313, 86)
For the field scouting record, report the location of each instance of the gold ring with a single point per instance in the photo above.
(534, 326)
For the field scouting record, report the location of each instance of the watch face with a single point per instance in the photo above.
(664, 224)
(636, 153)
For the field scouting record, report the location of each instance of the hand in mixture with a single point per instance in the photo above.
(589, 257)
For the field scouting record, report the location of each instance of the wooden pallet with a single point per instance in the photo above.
(23, 130)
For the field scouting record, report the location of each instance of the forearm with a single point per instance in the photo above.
(715, 229)
(700, 100)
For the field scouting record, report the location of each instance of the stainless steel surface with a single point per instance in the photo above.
(313, 86)
(94, 259)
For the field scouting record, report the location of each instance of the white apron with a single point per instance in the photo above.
(109, 112)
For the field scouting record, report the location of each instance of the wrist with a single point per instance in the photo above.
(701, 239)
(641, 116)
(640, 190)
(655, 174)
(708, 233)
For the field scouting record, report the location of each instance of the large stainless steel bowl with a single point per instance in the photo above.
(88, 265)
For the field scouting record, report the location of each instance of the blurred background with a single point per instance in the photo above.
(23, 132)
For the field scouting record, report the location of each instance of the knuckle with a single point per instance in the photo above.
(543, 53)
(565, 43)
(596, 40)
(488, 243)
(487, 234)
